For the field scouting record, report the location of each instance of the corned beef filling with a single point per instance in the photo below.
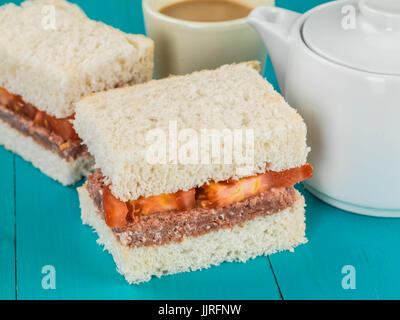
(168, 218)
(57, 135)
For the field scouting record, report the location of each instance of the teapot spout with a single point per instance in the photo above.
(274, 25)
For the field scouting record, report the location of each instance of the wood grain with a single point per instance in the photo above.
(336, 239)
(7, 226)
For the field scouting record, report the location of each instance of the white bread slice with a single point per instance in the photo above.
(260, 236)
(53, 68)
(114, 126)
(50, 163)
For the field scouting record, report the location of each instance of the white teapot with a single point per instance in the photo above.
(339, 65)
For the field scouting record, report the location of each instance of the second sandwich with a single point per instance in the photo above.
(51, 56)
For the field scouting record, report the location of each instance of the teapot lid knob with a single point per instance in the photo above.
(381, 13)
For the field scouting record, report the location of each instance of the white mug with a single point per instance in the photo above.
(184, 46)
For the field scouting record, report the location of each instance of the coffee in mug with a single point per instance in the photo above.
(207, 10)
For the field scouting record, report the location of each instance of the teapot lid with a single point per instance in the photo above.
(361, 34)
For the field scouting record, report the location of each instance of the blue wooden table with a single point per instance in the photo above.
(40, 226)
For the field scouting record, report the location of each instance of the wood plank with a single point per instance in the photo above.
(115, 13)
(7, 226)
(336, 239)
(12, 1)
(299, 6)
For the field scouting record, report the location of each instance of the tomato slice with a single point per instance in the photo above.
(12, 101)
(39, 119)
(63, 127)
(17, 104)
(214, 195)
(218, 195)
(186, 200)
(29, 111)
(149, 205)
(115, 210)
(286, 178)
(5, 97)
(181, 200)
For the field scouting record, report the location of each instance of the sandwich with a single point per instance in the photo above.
(163, 201)
(51, 56)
